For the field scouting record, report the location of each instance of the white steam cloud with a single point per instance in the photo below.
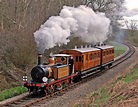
(91, 27)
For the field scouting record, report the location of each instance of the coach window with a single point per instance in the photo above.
(90, 56)
(87, 57)
(76, 58)
(104, 53)
(79, 58)
(112, 51)
(95, 55)
(82, 58)
(109, 51)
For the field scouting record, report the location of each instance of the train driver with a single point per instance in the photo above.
(71, 63)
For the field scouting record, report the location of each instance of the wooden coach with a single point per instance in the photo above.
(85, 58)
(107, 55)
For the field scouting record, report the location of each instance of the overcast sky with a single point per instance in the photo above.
(132, 9)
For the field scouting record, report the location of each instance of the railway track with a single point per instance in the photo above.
(29, 100)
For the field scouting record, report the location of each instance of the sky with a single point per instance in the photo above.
(132, 9)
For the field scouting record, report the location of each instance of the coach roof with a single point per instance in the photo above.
(105, 47)
(82, 50)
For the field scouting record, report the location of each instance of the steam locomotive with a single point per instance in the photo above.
(59, 72)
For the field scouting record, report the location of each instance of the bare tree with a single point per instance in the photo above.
(19, 19)
(111, 8)
(132, 26)
(99, 5)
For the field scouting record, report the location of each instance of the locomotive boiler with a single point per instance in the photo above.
(41, 72)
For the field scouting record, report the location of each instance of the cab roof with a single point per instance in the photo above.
(60, 55)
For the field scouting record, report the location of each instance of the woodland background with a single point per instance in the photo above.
(19, 19)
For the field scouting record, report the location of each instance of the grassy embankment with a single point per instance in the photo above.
(119, 49)
(12, 92)
(111, 93)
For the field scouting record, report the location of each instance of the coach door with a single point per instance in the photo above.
(78, 62)
(85, 61)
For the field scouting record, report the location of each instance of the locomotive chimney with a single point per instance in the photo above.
(39, 59)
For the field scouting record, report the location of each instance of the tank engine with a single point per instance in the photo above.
(45, 74)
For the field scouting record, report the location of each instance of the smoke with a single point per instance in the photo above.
(91, 27)
(120, 36)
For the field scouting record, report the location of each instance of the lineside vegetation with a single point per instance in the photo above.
(112, 93)
(12, 92)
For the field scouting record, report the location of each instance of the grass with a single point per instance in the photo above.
(12, 92)
(128, 78)
(119, 48)
(104, 94)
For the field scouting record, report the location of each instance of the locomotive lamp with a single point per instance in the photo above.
(25, 78)
(44, 79)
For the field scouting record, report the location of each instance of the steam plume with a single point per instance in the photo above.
(91, 27)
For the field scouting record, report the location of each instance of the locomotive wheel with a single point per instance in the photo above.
(34, 92)
(64, 84)
(109, 65)
(58, 87)
(50, 90)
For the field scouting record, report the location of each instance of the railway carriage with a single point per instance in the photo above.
(107, 55)
(85, 58)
